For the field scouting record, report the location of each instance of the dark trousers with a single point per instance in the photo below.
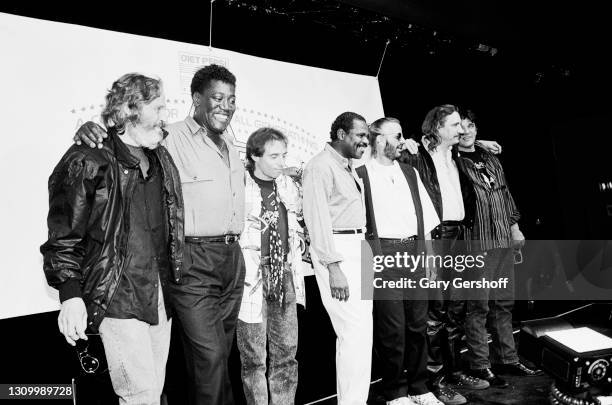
(445, 313)
(207, 302)
(400, 327)
(494, 306)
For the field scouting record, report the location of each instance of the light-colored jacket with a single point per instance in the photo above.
(250, 241)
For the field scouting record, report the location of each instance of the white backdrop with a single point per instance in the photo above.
(53, 77)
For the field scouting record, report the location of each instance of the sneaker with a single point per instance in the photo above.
(401, 401)
(488, 375)
(449, 396)
(467, 381)
(425, 399)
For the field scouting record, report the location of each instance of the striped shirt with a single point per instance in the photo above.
(496, 211)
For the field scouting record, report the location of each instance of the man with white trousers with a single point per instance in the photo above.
(335, 217)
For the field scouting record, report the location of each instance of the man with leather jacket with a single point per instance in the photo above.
(116, 238)
(452, 194)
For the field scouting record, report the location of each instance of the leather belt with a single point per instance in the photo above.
(227, 239)
(347, 231)
(399, 240)
(451, 223)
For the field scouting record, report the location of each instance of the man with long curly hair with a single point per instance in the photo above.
(115, 235)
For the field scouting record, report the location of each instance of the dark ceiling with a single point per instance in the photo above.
(558, 32)
(540, 23)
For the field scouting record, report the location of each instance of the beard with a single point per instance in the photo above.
(390, 151)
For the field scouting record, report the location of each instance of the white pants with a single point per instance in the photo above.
(352, 322)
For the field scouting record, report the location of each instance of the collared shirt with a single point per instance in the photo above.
(393, 204)
(138, 292)
(450, 187)
(332, 200)
(213, 193)
(496, 210)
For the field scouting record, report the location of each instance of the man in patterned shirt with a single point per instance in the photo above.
(274, 282)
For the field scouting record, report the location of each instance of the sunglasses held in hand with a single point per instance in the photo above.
(92, 362)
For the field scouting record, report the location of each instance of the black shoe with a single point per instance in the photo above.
(487, 375)
(516, 369)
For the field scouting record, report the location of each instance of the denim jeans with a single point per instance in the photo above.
(494, 306)
(279, 331)
(136, 353)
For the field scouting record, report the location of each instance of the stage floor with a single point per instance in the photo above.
(522, 390)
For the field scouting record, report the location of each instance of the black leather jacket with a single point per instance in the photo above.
(424, 164)
(90, 191)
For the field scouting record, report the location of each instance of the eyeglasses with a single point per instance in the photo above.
(89, 363)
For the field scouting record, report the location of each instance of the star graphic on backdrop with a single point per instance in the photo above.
(73, 111)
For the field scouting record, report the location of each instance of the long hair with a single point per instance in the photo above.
(126, 97)
(256, 144)
(434, 120)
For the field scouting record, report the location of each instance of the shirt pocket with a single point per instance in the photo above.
(195, 176)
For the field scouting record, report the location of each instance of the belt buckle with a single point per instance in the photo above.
(230, 239)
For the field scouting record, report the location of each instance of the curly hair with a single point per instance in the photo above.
(125, 98)
(207, 74)
(375, 131)
(344, 121)
(435, 118)
(256, 144)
